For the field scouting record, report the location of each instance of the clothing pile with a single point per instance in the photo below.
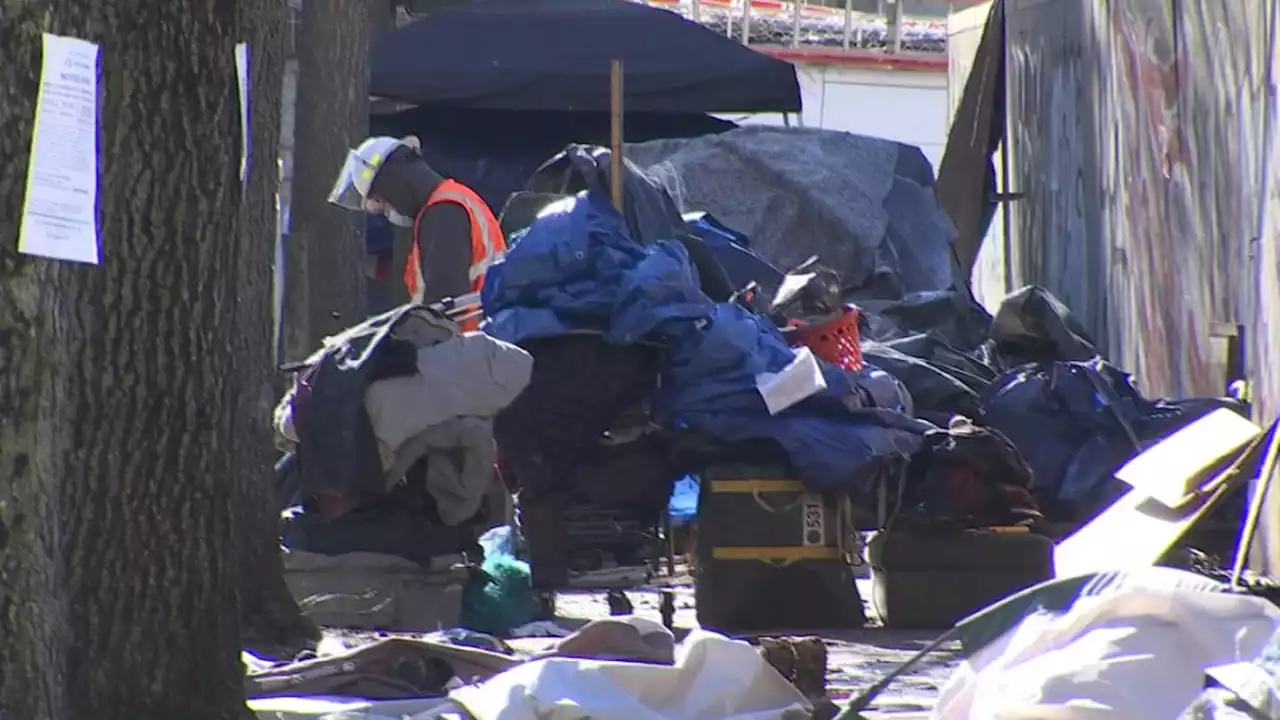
(392, 425)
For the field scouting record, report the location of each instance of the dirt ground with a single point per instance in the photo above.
(856, 659)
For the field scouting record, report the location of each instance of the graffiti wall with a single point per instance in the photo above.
(1145, 136)
(1139, 131)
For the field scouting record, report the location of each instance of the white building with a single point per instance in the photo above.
(902, 97)
(870, 67)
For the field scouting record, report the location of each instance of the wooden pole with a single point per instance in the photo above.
(615, 128)
(1266, 479)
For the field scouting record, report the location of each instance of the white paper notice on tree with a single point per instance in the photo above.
(60, 209)
(242, 85)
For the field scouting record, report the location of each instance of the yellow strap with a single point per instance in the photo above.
(756, 486)
(782, 554)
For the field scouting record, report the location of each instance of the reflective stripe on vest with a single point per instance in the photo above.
(480, 222)
(487, 244)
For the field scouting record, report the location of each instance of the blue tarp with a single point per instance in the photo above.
(683, 506)
(575, 270)
(731, 250)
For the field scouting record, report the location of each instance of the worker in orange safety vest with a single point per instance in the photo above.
(456, 238)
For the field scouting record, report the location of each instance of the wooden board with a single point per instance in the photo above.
(1139, 528)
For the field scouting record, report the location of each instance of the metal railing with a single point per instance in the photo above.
(803, 24)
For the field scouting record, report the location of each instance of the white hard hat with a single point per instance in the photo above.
(362, 165)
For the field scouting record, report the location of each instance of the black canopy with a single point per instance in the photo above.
(555, 54)
(495, 152)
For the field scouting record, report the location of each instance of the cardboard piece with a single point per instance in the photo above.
(1170, 493)
(1185, 455)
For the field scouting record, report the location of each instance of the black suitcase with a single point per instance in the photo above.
(770, 555)
(932, 580)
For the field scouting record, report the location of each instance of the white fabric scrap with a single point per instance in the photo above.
(800, 379)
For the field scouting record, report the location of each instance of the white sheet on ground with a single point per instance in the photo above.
(338, 708)
(1140, 653)
(714, 678)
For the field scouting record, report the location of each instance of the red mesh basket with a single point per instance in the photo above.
(835, 340)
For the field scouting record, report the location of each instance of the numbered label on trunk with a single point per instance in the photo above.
(814, 516)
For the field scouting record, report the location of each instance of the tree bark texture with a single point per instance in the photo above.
(133, 394)
(272, 623)
(332, 115)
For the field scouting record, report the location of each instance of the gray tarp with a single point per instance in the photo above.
(864, 205)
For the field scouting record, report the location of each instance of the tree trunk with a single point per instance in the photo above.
(332, 115)
(272, 623)
(132, 394)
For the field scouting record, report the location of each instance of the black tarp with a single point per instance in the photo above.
(966, 186)
(495, 152)
(555, 55)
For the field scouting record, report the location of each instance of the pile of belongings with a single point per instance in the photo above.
(577, 273)
(634, 315)
(391, 423)
(866, 207)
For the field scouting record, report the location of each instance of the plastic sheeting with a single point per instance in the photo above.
(577, 269)
(731, 250)
(864, 205)
(1138, 648)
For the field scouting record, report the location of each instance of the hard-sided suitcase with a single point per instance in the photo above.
(770, 555)
(923, 580)
(369, 591)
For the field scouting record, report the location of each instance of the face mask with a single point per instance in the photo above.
(377, 207)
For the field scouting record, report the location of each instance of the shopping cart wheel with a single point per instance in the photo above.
(545, 606)
(619, 604)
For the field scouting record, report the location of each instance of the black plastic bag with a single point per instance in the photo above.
(1034, 326)
(1071, 436)
(650, 213)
